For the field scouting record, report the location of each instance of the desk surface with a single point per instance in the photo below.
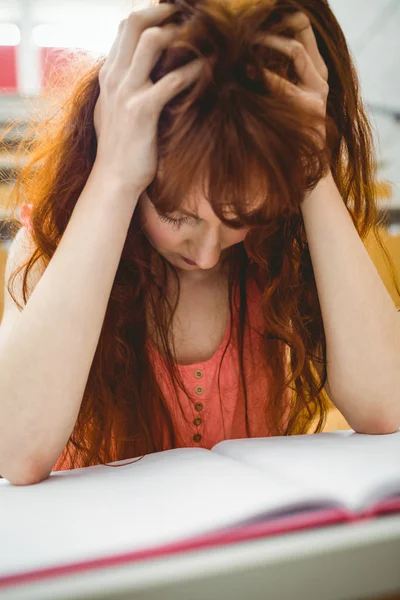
(339, 562)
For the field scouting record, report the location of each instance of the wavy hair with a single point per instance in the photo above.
(229, 135)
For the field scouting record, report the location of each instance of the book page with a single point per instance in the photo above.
(96, 511)
(353, 468)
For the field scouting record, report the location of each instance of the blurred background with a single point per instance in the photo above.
(37, 37)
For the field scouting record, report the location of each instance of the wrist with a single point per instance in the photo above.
(116, 186)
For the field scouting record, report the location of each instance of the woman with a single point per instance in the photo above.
(192, 272)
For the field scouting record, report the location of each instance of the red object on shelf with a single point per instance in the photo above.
(8, 71)
(54, 62)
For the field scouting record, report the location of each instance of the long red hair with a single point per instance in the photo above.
(259, 157)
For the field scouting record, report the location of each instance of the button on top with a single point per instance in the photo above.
(199, 389)
(198, 374)
(199, 406)
(197, 421)
(197, 437)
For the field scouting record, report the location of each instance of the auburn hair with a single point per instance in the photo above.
(248, 150)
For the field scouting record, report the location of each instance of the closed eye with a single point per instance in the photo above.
(175, 222)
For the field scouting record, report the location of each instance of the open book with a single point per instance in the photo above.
(190, 498)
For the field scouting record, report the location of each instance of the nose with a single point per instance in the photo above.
(207, 250)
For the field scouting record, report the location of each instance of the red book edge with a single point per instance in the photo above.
(231, 535)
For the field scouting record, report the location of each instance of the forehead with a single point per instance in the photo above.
(200, 209)
(199, 201)
(197, 205)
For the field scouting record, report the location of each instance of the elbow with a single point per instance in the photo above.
(28, 479)
(27, 474)
(377, 414)
(375, 430)
(376, 426)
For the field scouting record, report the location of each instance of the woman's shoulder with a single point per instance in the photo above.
(25, 216)
(20, 251)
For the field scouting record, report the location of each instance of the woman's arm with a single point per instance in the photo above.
(46, 351)
(361, 323)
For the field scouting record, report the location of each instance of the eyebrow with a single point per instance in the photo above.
(181, 211)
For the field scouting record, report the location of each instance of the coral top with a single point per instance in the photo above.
(206, 420)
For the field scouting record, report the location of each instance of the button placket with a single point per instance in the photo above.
(199, 389)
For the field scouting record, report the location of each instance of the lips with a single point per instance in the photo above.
(190, 262)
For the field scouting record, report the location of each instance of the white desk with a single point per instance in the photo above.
(340, 562)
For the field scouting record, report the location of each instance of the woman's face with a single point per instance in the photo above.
(202, 239)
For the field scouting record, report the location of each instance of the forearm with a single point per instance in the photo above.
(362, 325)
(47, 358)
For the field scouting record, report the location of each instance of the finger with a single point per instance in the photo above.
(292, 93)
(305, 68)
(174, 82)
(131, 30)
(304, 33)
(151, 43)
(281, 86)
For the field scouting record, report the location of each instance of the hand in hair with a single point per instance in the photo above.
(311, 93)
(128, 108)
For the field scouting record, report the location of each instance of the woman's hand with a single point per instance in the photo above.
(129, 105)
(312, 91)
